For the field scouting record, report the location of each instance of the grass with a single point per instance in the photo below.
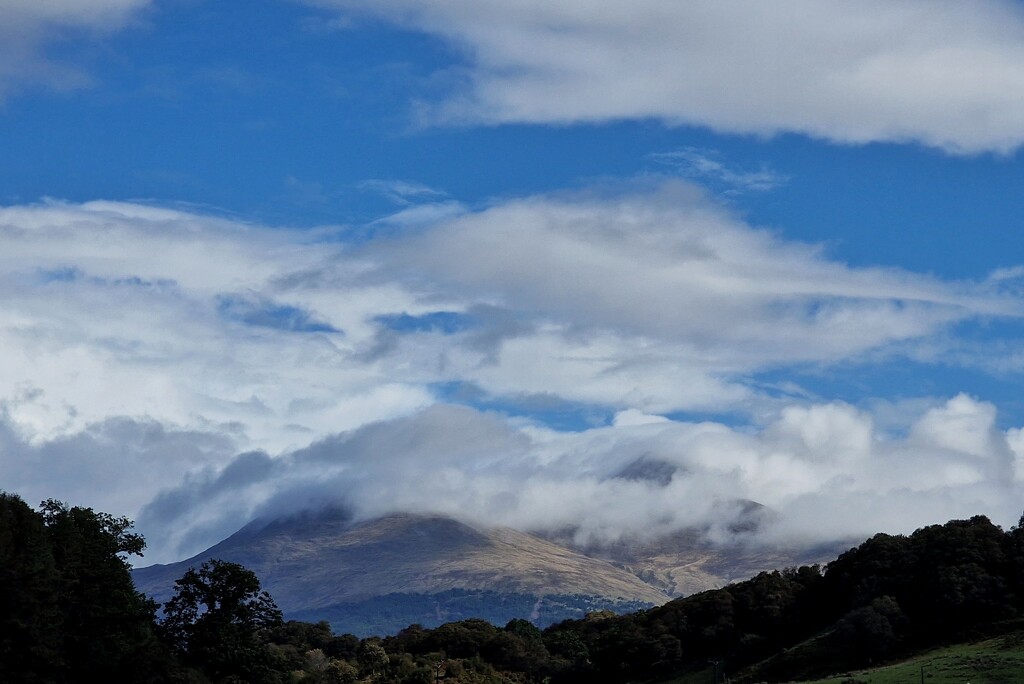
(994, 661)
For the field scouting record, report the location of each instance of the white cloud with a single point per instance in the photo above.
(28, 27)
(947, 74)
(830, 477)
(631, 417)
(119, 310)
(654, 299)
(148, 345)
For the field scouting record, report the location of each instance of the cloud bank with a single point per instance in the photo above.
(945, 74)
(825, 471)
(194, 370)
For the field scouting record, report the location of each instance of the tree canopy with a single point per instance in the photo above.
(68, 608)
(216, 618)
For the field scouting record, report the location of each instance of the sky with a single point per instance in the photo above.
(614, 267)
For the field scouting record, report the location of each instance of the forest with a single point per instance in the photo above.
(70, 613)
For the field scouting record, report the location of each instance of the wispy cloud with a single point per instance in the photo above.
(708, 166)
(402, 192)
(27, 28)
(656, 300)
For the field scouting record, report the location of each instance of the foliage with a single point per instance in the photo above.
(30, 620)
(107, 625)
(69, 613)
(392, 612)
(68, 608)
(215, 619)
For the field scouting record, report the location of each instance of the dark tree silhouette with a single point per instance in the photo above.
(30, 621)
(107, 625)
(215, 621)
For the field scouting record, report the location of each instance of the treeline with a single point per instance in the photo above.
(390, 613)
(69, 613)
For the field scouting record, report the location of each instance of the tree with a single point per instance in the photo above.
(107, 626)
(872, 632)
(30, 621)
(69, 611)
(373, 660)
(215, 619)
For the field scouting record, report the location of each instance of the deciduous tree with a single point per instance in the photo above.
(215, 618)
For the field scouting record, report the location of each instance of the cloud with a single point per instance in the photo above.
(707, 165)
(116, 465)
(28, 27)
(653, 298)
(649, 298)
(194, 370)
(112, 309)
(401, 192)
(825, 470)
(942, 74)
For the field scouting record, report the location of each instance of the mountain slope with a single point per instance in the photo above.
(310, 564)
(685, 562)
(384, 574)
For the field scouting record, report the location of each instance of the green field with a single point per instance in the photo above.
(994, 661)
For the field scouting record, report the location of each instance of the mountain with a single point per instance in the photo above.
(381, 575)
(685, 562)
(400, 569)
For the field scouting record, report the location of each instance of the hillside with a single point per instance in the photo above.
(885, 600)
(998, 660)
(325, 567)
(380, 575)
(685, 563)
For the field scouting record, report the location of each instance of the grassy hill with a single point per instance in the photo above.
(992, 661)
(997, 660)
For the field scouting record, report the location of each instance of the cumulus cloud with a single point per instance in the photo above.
(28, 27)
(143, 348)
(945, 74)
(826, 471)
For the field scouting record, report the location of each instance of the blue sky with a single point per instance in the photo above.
(777, 249)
